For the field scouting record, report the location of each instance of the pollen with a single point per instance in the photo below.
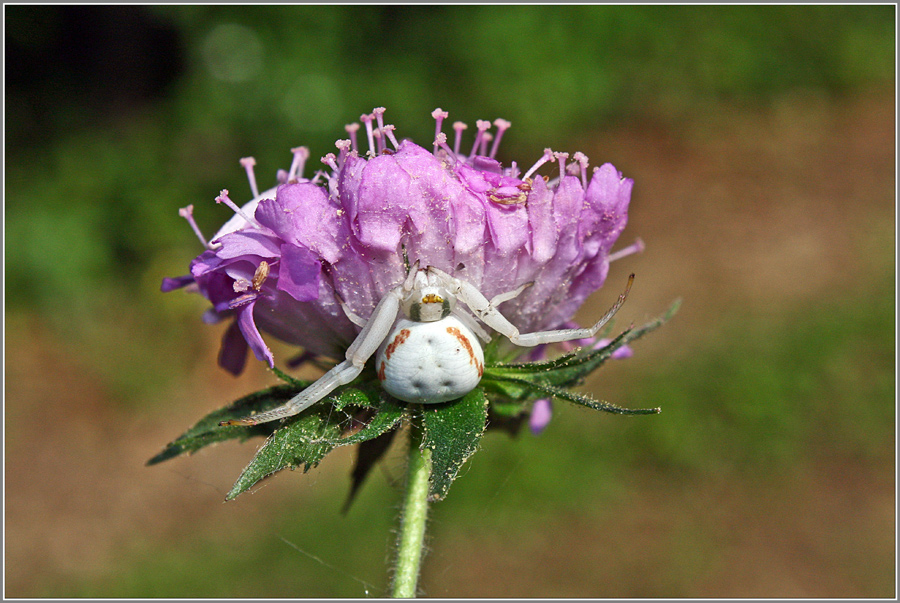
(432, 298)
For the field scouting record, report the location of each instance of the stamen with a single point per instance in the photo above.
(301, 154)
(344, 148)
(379, 141)
(329, 160)
(260, 275)
(240, 285)
(636, 247)
(441, 141)
(319, 175)
(561, 158)
(459, 127)
(484, 142)
(378, 112)
(547, 156)
(281, 176)
(367, 119)
(237, 302)
(188, 214)
(502, 126)
(439, 116)
(379, 134)
(389, 132)
(483, 125)
(582, 159)
(248, 163)
(351, 130)
(223, 198)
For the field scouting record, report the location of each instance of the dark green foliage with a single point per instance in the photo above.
(363, 414)
(207, 430)
(452, 432)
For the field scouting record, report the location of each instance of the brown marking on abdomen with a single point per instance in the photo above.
(399, 340)
(468, 345)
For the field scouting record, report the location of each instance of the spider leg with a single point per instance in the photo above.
(488, 313)
(362, 348)
(502, 297)
(543, 337)
(467, 319)
(355, 318)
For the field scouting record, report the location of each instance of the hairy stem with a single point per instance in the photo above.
(411, 542)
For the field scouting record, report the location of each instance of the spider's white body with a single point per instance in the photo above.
(430, 361)
(427, 350)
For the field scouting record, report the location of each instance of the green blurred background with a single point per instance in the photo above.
(761, 141)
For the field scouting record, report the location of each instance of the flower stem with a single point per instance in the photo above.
(411, 542)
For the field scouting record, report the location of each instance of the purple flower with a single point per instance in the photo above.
(282, 264)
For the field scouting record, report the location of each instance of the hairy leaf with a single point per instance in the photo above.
(452, 431)
(306, 439)
(207, 430)
(516, 381)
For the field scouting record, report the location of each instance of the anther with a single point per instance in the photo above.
(248, 163)
(458, 126)
(188, 214)
(483, 125)
(261, 274)
(351, 130)
(547, 156)
(502, 126)
(223, 198)
(636, 247)
(301, 154)
(237, 302)
(439, 116)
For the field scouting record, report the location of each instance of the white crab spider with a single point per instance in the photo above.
(426, 346)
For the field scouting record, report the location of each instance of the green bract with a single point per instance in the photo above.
(361, 413)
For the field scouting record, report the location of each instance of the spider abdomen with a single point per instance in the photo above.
(430, 361)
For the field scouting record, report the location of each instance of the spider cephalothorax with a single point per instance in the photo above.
(426, 345)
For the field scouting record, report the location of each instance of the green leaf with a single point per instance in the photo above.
(207, 430)
(308, 437)
(565, 394)
(304, 440)
(386, 418)
(515, 380)
(452, 431)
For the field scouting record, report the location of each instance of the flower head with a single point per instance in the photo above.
(283, 263)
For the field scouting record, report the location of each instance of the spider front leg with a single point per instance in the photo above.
(488, 313)
(362, 348)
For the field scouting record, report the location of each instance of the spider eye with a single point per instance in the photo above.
(432, 304)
